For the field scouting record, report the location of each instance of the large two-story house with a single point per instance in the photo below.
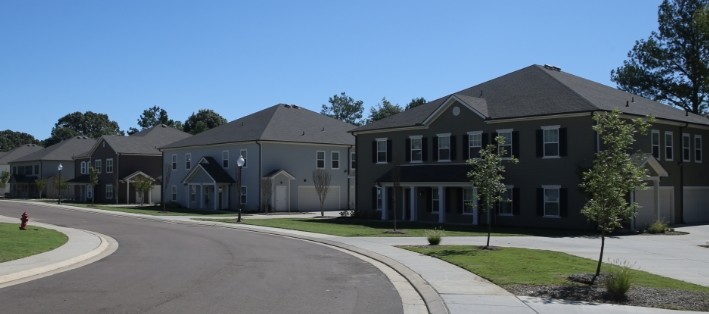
(545, 116)
(281, 146)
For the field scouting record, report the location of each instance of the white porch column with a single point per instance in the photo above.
(656, 187)
(441, 205)
(127, 192)
(150, 196)
(384, 203)
(412, 203)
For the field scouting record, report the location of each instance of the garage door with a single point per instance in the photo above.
(308, 199)
(646, 213)
(696, 206)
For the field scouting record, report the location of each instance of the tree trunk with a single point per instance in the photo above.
(489, 227)
(600, 258)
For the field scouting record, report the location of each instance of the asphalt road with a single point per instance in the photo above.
(180, 268)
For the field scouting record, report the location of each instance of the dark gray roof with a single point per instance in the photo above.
(64, 150)
(214, 169)
(18, 152)
(282, 123)
(538, 91)
(145, 142)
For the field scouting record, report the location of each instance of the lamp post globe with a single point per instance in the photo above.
(59, 183)
(239, 164)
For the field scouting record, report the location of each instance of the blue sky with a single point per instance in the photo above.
(238, 57)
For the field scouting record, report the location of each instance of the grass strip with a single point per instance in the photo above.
(16, 243)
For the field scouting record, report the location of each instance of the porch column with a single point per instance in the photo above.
(201, 196)
(216, 197)
(656, 187)
(384, 203)
(441, 205)
(403, 201)
(127, 192)
(150, 196)
(412, 203)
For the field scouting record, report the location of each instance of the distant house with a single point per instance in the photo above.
(6, 157)
(119, 161)
(44, 164)
(281, 145)
(545, 116)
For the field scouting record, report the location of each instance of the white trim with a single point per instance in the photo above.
(412, 138)
(332, 159)
(173, 162)
(107, 163)
(700, 149)
(671, 146)
(449, 102)
(106, 189)
(510, 188)
(544, 200)
(386, 150)
(438, 146)
(188, 159)
(558, 141)
(655, 132)
(324, 159)
(353, 160)
(550, 127)
(228, 162)
(689, 147)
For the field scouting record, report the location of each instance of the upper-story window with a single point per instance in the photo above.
(97, 165)
(188, 161)
(382, 150)
(416, 153)
(174, 162)
(320, 159)
(506, 148)
(353, 160)
(335, 160)
(444, 147)
(109, 165)
(243, 153)
(225, 159)
(475, 143)
(697, 148)
(550, 141)
(83, 168)
(686, 147)
(655, 143)
(669, 146)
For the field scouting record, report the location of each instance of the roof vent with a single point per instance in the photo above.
(294, 106)
(287, 106)
(627, 104)
(632, 99)
(552, 67)
(303, 133)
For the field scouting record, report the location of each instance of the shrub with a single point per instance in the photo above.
(618, 280)
(658, 226)
(434, 236)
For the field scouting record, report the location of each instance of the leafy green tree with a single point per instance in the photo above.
(488, 177)
(672, 65)
(93, 182)
(10, 139)
(614, 175)
(154, 116)
(344, 108)
(383, 110)
(142, 185)
(4, 177)
(88, 124)
(203, 120)
(40, 184)
(415, 103)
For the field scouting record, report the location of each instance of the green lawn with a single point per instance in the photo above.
(508, 266)
(156, 210)
(16, 243)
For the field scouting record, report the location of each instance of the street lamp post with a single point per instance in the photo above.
(59, 182)
(239, 164)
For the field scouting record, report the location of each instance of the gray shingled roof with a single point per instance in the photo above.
(538, 91)
(145, 142)
(282, 123)
(213, 169)
(18, 152)
(64, 150)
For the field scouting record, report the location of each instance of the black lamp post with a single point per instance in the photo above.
(239, 164)
(59, 182)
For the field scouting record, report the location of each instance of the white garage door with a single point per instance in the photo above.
(646, 213)
(696, 205)
(308, 199)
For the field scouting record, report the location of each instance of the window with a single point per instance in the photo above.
(507, 146)
(435, 199)
(380, 198)
(174, 193)
(416, 152)
(550, 141)
(188, 161)
(551, 201)
(97, 165)
(475, 143)
(444, 147)
(655, 143)
(469, 200)
(36, 169)
(382, 150)
(193, 193)
(320, 160)
(697, 148)
(242, 153)
(686, 149)
(225, 159)
(109, 191)
(335, 160)
(83, 168)
(353, 160)
(174, 162)
(109, 165)
(505, 205)
(668, 146)
(243, 195)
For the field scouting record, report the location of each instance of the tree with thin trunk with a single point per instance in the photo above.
(321, 179)
(93, 182)
(614, 175)
(4, 177)
(488, 177)
(142, 185)
(40, 184)
(266, 192)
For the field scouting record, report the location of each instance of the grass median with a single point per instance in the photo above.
(16, 243)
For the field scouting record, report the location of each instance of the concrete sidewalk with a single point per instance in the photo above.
(447, 288)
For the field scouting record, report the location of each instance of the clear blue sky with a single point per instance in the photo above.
(121, 57)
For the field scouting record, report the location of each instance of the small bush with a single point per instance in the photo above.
(658, 226)
(618, 280)
(434, 236)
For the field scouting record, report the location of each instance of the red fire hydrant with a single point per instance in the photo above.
(25, 218)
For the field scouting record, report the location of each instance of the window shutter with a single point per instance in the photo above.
(435, 148)
(407, 153)
(389, 151)
(515, 201)
(424, 149)
(540, 202)
(374, 152)
(515, 143)
(466, 147)
(563, 202)
(453, 151)
(540, 143)
(562, 142)
(493, 139)
(485, 140)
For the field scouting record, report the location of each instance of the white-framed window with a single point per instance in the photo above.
(173, 193)
(435, 200)
(505, 206)
(225, 159)
(83, 168)
(320, 159)
(552, 203)
(97, 165)
(382, 150)
(109, 191)
(243, 195)
(698, 148)
(353, 160)
(109, 165)
(416, 150)
(475, 143)
(507, 146)
(470, 202)
(669, 146)
(243, 153)
(174, 162)
(188, 161)
(193, 193)
(550, 140)
(89, 191)
(444, 147)
(380, 197)
(686, 147)
(335, 160)
(655, 143)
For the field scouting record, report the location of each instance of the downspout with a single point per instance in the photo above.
(115, 179)
(349, 175)
(681, 175)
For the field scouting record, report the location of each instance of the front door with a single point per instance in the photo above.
(281, 198)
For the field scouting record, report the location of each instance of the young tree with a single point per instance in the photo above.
(203, 120)
(40, 184)
(383, 110)
(613, 176)
(4, 177)
(142, 185)
(154, 116)
(488, 176)
(672, 65)
(266, 192)
(10, 139)
(344, 108)
(89, 124)
(415, 103)
(93, 182)
(321, 180)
